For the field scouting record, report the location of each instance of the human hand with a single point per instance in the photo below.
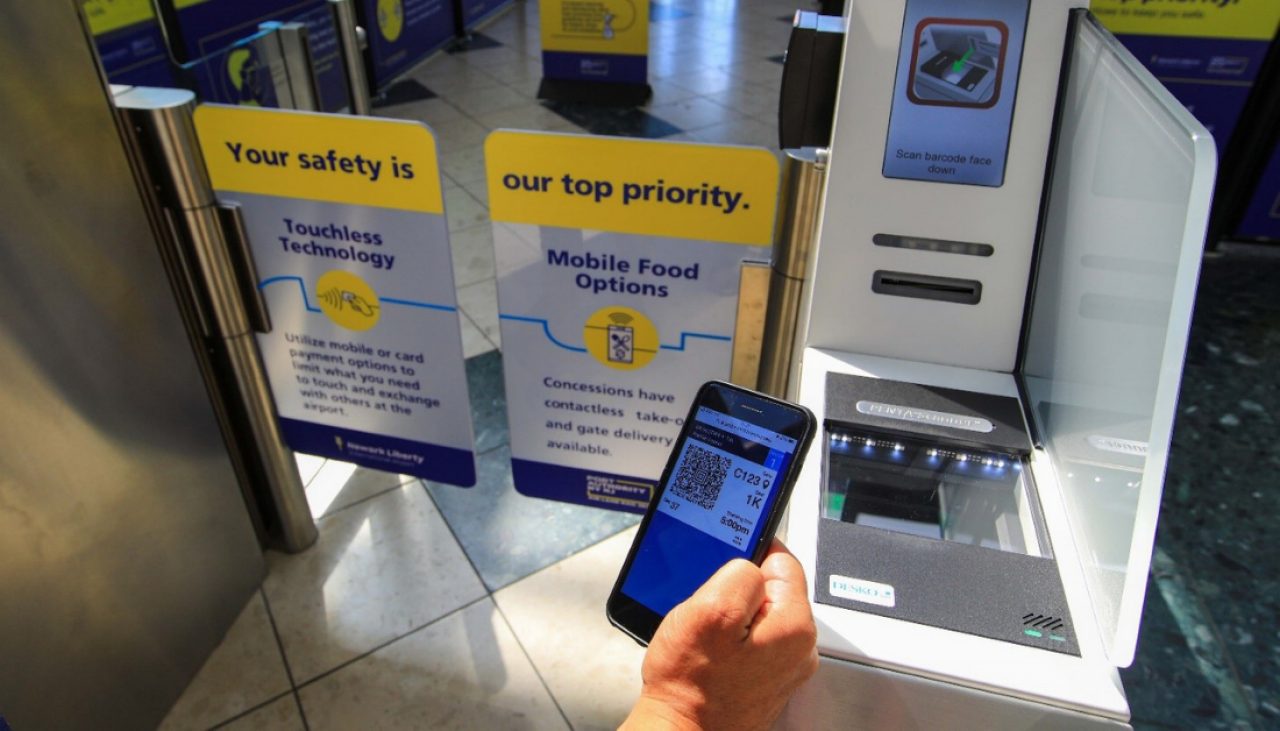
(731, 655)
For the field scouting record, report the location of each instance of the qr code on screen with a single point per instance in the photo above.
(701, 476)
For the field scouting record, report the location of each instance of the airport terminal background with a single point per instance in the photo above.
(425, 606)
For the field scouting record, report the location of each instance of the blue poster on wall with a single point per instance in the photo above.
(129, 42)
(238, 74)
(203, 28)
(403, 32)
(474, 11)
(1207, 54)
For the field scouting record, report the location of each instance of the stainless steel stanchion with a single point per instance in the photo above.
(344, 16)
(161, 127)
(803, 176)
(296, 49)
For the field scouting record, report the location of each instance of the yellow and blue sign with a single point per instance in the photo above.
(618, 268)
(402, 33)
(595, 40)
(1207, 53)
(346, 223)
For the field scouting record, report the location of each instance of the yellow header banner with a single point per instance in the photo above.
(647, 187)
(595, 26)
(361, 161)
(105, 16)
(1237, 19)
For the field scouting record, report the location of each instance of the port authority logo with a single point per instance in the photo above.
(925, 416)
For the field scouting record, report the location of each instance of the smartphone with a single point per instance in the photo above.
(720, 497)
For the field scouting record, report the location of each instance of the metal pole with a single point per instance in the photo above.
(344, 17)
(288, 51)
(296, 50)
(803, 178)
(161, 122)
(748, 329)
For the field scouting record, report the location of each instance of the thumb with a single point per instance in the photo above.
(783, 577)
(728, 602)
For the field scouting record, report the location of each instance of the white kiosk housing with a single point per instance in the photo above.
(993, 341)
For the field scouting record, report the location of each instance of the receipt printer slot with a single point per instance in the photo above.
(925, 286)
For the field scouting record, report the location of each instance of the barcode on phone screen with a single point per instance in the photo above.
(701, 476)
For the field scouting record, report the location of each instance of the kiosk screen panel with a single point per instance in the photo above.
(954, 93)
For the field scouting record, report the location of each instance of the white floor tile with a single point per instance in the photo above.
(466, 671)
(244, 671)
(340, 484)
(463, 210)
(308, 466)
(380, 569)
(280, 715)
(529, 116)
(463, 164)
(479, 102)
(593, 670)
(472, 254)
(473, 341)
(480, 302)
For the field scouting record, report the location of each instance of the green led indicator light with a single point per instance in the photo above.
(1057, 638)
(1032, 633)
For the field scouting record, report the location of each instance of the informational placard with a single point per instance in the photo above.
(403, 32)
(953, 97)
(618, 267)
(595, 40)
(346, 222)
(1207, 54)
(200, 30)
(129, 42)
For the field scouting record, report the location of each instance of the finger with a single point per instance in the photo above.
(730, 599)
(777, 547)
(784, 577)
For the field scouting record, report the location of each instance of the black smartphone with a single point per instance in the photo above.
(720, 497)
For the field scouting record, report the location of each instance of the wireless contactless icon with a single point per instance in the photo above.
(621, 338)
(348, 300)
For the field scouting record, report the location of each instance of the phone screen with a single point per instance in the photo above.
(712, 508)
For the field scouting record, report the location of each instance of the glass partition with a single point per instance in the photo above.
(1113, 292)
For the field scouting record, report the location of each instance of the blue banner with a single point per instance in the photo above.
(235, 75)
(402, 33)
(1212, 77)
(474, 11)
(136, 56)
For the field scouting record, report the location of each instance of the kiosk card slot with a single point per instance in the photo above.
(927, 286)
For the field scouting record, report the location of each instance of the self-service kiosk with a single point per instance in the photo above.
(1012, 226)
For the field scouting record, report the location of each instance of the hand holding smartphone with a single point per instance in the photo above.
(720, 497)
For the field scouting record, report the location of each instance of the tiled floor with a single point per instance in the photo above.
(425, 606)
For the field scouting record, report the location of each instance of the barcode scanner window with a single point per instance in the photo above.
(711, 510)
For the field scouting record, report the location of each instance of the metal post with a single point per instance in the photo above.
(349, 32)
(803, 177)
(748, 328)
(288, 51)
(161, 124)
(301, 67)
